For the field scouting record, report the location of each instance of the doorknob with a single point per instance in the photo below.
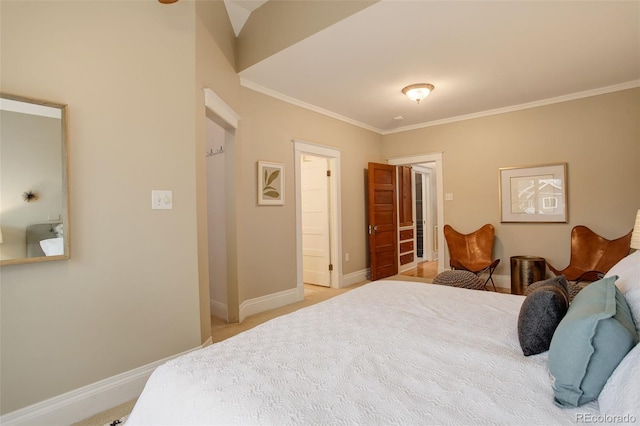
(373, 229)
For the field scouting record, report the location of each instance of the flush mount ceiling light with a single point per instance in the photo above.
(417, 92)
(167, 1)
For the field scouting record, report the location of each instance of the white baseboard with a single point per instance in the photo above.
(218, 309)
(88, 400)
(286, 297)
(268, 302)
(355, 278)
(502, 281)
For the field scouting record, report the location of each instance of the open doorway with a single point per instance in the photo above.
(426, 212)
(318, 242)
(221, 123)
(432, 233)
(216, 219)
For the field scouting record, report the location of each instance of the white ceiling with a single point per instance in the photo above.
(482, 56)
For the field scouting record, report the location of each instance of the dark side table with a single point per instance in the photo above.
(526, 270)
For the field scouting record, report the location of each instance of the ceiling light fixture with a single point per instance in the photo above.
(417, 92)
(167, 1)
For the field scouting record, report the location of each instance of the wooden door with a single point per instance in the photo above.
(406, 200)
(383, 232)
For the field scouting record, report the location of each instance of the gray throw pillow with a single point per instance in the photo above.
(589, 343)
(559, 280)
(540, 314)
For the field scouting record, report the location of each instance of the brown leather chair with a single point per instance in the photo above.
(592, 255)
(472, 252)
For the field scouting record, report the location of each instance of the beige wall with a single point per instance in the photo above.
(129, 294)
(267, 239)
(599, 138)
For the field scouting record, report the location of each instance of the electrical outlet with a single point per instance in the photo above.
(346, 257)
(161, 200)
(448, 196)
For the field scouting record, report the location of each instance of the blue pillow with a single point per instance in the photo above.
(589, 343)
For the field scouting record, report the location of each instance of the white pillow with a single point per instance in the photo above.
(53, 246)
(628, 272)
(620, 396)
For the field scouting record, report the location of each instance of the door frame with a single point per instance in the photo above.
(435, 157)
(221, 113)
(335, 222)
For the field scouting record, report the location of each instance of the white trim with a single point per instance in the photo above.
(267, 303)
(293, 101)
(502, 281)
(221, 109)
(218, 309)
(435, 157)
(408, 266)
(84, 402)
(356, 277)
(570, 97)
(333, 156)
(513, 108)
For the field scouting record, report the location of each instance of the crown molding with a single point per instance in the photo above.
(565, 98)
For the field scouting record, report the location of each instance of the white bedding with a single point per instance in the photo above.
(390, 352)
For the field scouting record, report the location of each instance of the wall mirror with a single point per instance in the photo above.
(34, 219)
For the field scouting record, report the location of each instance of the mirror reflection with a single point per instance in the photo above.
(33, 187)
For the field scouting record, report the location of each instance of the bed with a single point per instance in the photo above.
(389, 352)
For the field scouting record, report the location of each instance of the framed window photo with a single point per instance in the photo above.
(534, 193)
(270, 183)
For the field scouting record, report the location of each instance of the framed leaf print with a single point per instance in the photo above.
(270, 183)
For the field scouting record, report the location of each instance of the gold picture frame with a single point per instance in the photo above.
(270, 184)
(534, 193)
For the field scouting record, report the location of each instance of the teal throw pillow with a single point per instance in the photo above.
(589, 343)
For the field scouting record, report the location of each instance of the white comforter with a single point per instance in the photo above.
(390, 352)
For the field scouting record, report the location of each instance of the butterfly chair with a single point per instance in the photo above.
(592, 255)
(472, 252)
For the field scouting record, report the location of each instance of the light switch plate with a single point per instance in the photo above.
(448, 196)
(161, 200)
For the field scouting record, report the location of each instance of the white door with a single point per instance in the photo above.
(316, 255)
(428, 214)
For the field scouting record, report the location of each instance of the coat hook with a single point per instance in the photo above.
(211, 152)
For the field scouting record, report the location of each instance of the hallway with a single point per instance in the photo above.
(426, 270)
